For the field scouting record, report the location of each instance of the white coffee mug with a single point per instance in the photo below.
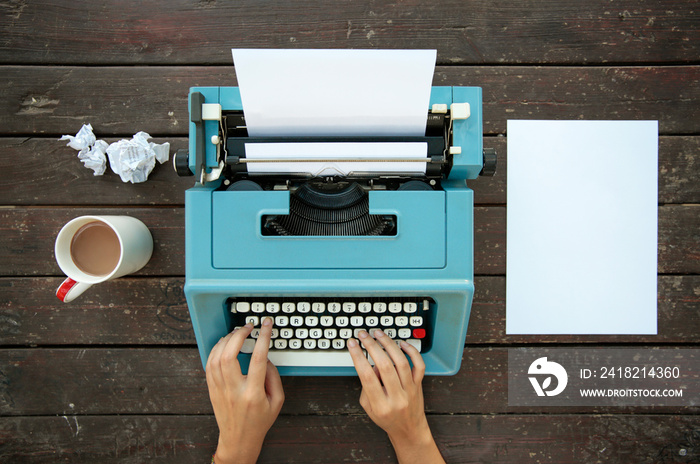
(135, 249)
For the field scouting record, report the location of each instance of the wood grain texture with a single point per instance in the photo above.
(495, 439)
(153, 311)
(58, 100)
(463, 32)
(115, 380)
(30, 180)
(27, 238)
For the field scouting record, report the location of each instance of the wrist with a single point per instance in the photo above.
(242, 454)
(417, 437)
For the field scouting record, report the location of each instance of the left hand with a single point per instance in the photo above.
(245, 406)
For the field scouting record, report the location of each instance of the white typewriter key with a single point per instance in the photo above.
(330, 333)
(272, 307)
(356, 321)
(390, 333)
(395, 307)
(311, 321)
(371, 321)
(324, 344)
(309, 344)
(426, 305)
(410, 307)
(281, 321)
(338, 343)
(314, 358)
(280, 344)
(404, 333)
(255, 333)
(294, 344)
(296, 321)
(288, 307)
(248, 345)
(252, 320)
(303, 307)
(275, 333)
(334, 307)
(356, 334)
(349, 307)
(342, 321)
(416, 321)
(242, 307)
(345, 333)
(401, 321)
(371, 331)
(318, 307)
(315, 333)
(258, 307)
(287, 333)
(365, 307)
(379, 308)
(386, 321)
(326, 321)
(414, 342)
(302, 333)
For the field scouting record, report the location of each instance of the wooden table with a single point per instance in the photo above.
(116, 376)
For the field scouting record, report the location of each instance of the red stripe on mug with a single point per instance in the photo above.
(64, 288)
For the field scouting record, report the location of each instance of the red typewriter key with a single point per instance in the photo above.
(418, 333)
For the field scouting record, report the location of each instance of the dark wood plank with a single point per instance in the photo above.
(115, 380)
(126, 311)
(30, 180)
(27, 238)
(192, 32)
(153, 311)
(497, 439)
(41, 171)
(58, 100)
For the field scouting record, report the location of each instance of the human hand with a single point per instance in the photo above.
(392, 395)
(245, 406)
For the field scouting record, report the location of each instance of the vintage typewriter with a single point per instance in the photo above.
(329, 253)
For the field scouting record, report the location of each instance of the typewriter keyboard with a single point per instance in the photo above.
(314, 332)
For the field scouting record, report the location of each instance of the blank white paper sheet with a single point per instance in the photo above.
(334, 92)
(582, 227)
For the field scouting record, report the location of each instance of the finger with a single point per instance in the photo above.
(230, 367)
(416, 359)
(370, 382)
(213, 367)
(258, 361)
(403, 369)
(384, 364)
(273, 386)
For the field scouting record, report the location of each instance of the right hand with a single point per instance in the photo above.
(392, 395)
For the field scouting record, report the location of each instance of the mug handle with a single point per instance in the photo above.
(69, 290)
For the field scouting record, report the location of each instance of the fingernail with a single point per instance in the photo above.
(378, 333)
(248, 326)
(352, 343)
(363, 334)
(267, 321)
(404, 344)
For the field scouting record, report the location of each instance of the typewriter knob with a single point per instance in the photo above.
(490, 159)
(181, 162)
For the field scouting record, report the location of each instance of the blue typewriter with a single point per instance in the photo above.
(327, 255)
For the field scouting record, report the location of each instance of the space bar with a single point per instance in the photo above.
(314, 358)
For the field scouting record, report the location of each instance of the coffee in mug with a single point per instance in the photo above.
(93, 249)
